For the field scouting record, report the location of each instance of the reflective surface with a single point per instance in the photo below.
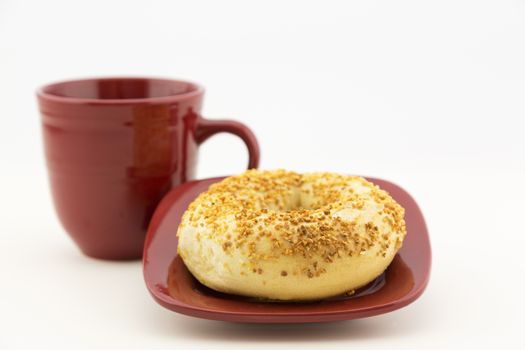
(174, 287)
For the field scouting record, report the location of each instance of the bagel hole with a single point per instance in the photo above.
(299, 199)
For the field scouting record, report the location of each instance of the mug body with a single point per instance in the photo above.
(113, 148)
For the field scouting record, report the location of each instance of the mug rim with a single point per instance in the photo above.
(42, 92)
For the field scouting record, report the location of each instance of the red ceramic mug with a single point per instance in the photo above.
(114, 147)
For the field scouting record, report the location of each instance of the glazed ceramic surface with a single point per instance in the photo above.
(114, 147)
(171, 284)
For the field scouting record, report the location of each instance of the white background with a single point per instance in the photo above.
(430, 95)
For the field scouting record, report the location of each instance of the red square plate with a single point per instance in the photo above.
(173, 287)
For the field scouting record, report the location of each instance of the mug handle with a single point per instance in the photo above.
(207, 128)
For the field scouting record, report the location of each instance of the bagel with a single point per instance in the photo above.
(280, 235)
